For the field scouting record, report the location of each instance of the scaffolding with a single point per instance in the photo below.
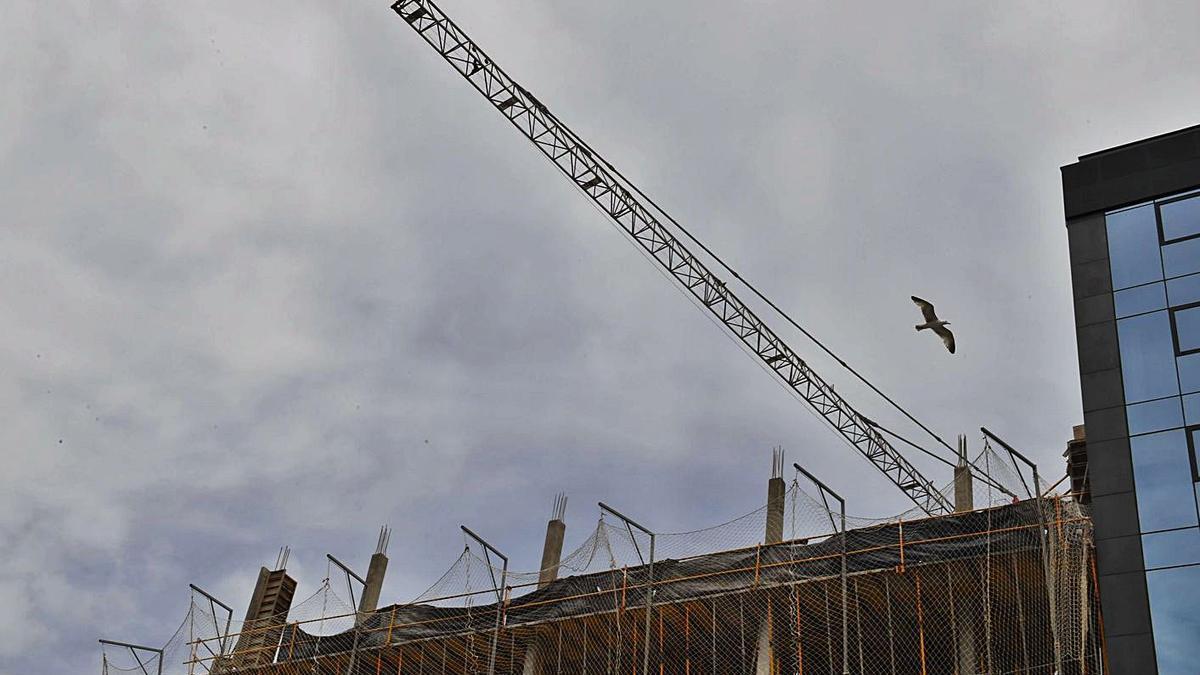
(1003, 589)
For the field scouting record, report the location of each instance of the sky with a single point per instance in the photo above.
(271, 273)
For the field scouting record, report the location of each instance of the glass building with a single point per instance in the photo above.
(1133, 224)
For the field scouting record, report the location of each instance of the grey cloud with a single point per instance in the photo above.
(274, 275)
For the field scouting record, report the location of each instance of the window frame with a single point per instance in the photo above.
(1162, 237)
(1187, 432)
(1175, 330)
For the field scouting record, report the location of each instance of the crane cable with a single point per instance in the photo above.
(597, 157)
(787, 317)
(753, 289)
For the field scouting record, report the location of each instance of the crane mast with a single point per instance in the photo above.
(603, 185)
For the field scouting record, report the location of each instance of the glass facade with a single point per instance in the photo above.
(1154, 253)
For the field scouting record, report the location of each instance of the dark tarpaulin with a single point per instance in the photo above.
(942, 539)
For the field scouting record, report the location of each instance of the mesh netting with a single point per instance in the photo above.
(1007, 588)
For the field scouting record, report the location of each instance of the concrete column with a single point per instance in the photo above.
(265, 617)
(374, 584)
(1076, 454)
(776, 502)
(776, 499)
(533, 661)
(967, 610)
(764, 651)
(369, 600)
(964, 486)
(966, 648)
(556, 530)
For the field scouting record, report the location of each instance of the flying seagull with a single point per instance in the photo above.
(935, 324)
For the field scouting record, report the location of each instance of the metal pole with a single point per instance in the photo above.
(1043, 537)
(845, 616)
(649, 582)
(349, 587)
(213, 603)
(845, 635)
(134, 649)
(887, 590)
(349, 574)
(499, 591)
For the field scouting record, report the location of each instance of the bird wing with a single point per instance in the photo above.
(947, 337)
(926, 308)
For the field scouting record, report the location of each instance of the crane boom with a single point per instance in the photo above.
(598, 181)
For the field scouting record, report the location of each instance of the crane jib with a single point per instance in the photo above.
(589, 173)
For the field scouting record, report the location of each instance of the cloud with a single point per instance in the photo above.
(273, 275)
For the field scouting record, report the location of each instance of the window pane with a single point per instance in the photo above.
(1133, 247)
(1189, 373)
(1184, 290)
(1174, 597)
(1191, 408)
(1181, 218)
(1162, 476)
(1182, 258)
(1147, 357)
(1170, 549)
(1140, 299)
(1187, 329)
(1154, 416)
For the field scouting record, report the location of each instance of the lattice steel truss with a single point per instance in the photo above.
(608, 190)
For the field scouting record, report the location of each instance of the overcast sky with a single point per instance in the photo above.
(271, 273)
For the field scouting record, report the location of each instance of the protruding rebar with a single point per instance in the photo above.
(281, 560)
(385, 538)
(559, 510)
(777, 462)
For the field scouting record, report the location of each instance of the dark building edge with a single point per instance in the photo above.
(1099, 182)
(1132, 173)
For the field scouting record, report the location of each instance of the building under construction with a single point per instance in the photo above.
(1005, 588)
(960, 585)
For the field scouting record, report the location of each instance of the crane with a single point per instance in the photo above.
(616, 197)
